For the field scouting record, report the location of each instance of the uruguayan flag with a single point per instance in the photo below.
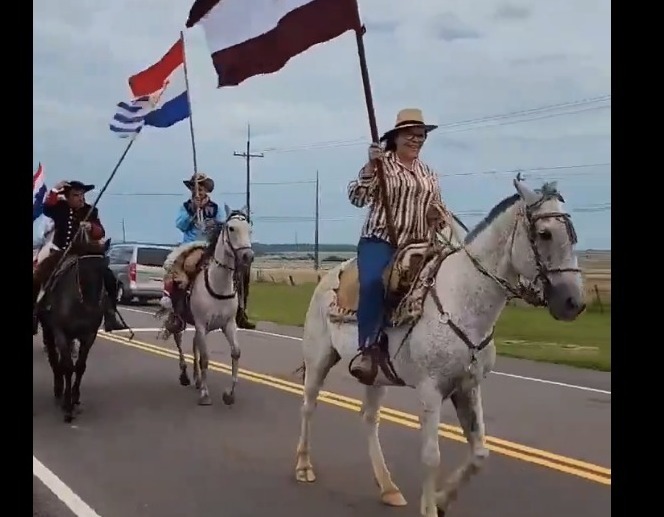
(130, 116)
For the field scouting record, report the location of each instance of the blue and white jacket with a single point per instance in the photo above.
(186, 219)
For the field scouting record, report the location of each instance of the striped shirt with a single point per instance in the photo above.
(409, 193)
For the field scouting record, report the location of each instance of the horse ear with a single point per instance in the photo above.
(245, 210)
(227, 209)
(530, 197)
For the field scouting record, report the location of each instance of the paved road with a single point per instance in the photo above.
(142, 447)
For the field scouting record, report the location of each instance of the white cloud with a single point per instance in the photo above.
(455, 59)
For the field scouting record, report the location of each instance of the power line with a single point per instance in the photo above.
(596, 207)
(537, 113)
(534, 170)
(181, 194)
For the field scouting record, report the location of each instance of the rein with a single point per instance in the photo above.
(525, 292)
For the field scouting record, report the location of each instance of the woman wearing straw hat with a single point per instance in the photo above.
(414, 199)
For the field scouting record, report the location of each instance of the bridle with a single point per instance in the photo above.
(229, 251)
(527, 217)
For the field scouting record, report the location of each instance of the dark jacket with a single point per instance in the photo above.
(66, 220)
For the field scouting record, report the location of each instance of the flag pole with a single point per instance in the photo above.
(373, 126)
(191, 120)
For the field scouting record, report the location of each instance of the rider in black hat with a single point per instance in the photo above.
(68, 214)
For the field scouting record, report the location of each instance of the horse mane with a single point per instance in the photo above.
(212, 238)
(214, 233)
(491, 216)
(549, 190)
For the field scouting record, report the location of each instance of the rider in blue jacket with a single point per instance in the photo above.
(195, 217)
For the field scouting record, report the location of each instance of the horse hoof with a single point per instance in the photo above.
(393, 498)
(441, 513)
(205, 400)
(228, 398)
(198, 385)
(69, 418)
(305, 475)
(184, 380)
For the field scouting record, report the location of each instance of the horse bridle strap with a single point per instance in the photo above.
(218, 263)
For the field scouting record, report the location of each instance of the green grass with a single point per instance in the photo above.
(522, 332)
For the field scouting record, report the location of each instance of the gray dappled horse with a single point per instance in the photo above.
(524, 247)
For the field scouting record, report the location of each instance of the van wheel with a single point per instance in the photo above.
(122, 298)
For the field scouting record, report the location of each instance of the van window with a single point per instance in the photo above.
(120, 255)
(154, 257)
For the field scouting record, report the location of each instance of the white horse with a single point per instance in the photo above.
(47, 243)
(213, 300)
(450, 349)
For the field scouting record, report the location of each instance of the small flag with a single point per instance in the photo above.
(129, 117)
(38, 193)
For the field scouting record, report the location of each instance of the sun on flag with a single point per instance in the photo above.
(160, 96)
(253, 37)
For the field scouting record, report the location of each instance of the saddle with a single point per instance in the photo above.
(406, 281)
(185, 262)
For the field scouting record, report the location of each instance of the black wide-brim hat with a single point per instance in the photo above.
(409, 117)
(77, 185)
(201, 179)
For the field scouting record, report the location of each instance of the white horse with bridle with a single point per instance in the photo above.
(213, 300)
(523, 248)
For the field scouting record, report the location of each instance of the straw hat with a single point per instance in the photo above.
(409, 117)
(201, 179)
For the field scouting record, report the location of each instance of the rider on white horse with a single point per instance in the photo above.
(195, 218)
(413, 194)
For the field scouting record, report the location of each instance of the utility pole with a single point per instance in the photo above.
(317, 217)
(124, 231)
(248, 156)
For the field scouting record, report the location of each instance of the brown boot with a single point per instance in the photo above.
(365, 368)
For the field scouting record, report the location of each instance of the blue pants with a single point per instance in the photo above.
(373, 256)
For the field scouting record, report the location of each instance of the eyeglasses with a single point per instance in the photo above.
(415, 136)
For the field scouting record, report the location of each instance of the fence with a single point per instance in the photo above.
(597, 282)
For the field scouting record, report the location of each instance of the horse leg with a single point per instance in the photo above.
(431, 403)
(468, 405)
(67, 369)
(54, 362)
(81, 365)
(197, 364)
(200, 345)
(314, 377)
(230, 331)
(184, 378)
(389, 492)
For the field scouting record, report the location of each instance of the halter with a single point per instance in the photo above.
(229, 251)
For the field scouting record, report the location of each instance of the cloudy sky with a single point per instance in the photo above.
(514, 84)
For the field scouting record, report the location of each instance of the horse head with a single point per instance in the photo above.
(543, 249)
(232, 238)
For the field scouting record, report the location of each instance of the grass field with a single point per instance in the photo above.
(522, 332)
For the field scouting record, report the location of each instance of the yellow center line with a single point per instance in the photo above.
(513, 450)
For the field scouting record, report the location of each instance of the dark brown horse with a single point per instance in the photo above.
(70, 314)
